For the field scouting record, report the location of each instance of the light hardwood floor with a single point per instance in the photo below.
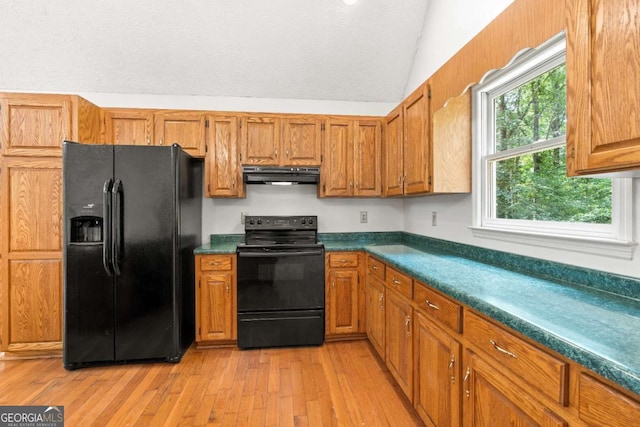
(338, 384)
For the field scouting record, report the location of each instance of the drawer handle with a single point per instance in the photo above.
(375, 267)
(502, 350)
(341, 260)
(214, 264)
(397, 282)
(431, 305)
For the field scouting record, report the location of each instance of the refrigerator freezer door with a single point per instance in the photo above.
(145, 236)
(88, 287)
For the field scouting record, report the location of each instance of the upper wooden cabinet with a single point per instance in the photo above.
(451, 146)
(352, 158)
(186, 129)
(36, 125)
(222, 166)
(124, 126)
(407, 146)
(416, 161)
(281, 140)
(603, 94)
(302, 141)
(128, 127)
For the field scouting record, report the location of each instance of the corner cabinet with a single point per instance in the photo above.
(351, 164)
(344, 306)
(375, 305)
(216, 320)
(603, 94)
(407, 146)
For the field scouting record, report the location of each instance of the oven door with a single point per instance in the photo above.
(280, 278)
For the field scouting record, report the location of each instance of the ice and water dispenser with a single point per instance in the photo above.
(85, 229)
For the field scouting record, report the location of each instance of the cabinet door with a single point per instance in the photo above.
(184, 129)
(260, 141)
(342, 290)
(34, 125)
(216, 314)
(128, 127)
(439, 357)
(490, 399)
(222, 167)
(417, 163)
(400, 341)
(375, 319)
(302, 141)
(337, 168)
(393, 143)
(31, 217)
(367, 155)
(603, 94)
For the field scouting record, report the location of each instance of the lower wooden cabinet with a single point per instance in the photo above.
(343, 300)
(375, 308)
(216, 320)
(491, 399)
(437, 373)
(399, 349)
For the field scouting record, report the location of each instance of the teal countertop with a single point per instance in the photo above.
(591, 317)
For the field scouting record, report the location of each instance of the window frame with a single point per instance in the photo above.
(613, 239)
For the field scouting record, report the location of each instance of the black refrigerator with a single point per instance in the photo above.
(132, 218)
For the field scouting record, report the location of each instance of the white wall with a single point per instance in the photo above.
(450, 24)
(222, 216)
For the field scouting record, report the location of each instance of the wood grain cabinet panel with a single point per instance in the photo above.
(546, 373)
(222, 166)
(375, 314)
(35, 302)
(399, 340)
(367, 158)
(260, 138)
(490, 399)
(35, 205)
(601, 405)
(35, 125)
(399, 282)
(437, 306)
(337, 167)
(603, 94)
(344, 306)
(184, 128)
(393, 154)
(128, 126)
(416, 146)
(302, 141)
(216, 299)
(438, 375)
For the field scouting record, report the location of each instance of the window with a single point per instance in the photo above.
(520, 182)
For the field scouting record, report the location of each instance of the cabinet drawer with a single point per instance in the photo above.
(601, 405)
(375, 267)
(400, 282)
(343, 259)
(216, 262)
(438, 307)
(543, 371)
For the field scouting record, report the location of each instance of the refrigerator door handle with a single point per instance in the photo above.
(116, 253)
(106, 233)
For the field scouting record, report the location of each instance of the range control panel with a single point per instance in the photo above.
(281, 223)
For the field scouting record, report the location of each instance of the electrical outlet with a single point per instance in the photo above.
(434, 218)
(363, 217)
(242, 215)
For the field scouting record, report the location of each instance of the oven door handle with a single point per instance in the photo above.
(272, 254)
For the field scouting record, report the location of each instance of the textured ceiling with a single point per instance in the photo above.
(295, 49)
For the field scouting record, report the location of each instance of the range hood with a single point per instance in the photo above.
(285, 175)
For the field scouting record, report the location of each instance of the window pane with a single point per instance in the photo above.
(534, 111)
(535, 187)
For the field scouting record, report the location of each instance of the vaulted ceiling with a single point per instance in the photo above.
(288, 49)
